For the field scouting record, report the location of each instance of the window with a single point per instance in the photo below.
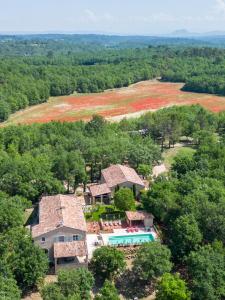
(61, 238)
(76, 237)
(43, 239)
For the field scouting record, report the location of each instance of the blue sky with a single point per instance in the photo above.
(112, 16)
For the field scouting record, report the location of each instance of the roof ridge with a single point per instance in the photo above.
(124, 175)
(60, 210)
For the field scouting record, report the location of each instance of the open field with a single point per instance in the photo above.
(117, 103)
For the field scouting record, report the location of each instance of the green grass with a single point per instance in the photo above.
(170, 154)
(98, 210)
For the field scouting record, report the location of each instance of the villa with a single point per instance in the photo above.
(61, 231)
(113, 178)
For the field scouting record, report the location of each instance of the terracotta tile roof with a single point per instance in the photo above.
(70, 249)
(117, 174)
(99, 189)
(59, 211)
(138, 215)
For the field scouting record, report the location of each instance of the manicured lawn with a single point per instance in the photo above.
(98, 210)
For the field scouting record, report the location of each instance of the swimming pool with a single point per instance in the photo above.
(130, 239)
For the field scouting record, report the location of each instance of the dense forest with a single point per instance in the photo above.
(188, 203)
(41, 44)
(61, 67)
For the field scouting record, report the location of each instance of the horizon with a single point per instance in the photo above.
(142, 18)
(180, 33)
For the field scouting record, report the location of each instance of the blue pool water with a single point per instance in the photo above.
(130, 239)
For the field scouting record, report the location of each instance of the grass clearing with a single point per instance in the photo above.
(170, 154)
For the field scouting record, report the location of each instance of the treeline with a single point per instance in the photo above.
(168, 125)
(201, 69)
(42, 44)
(29, 81)
(26, 81)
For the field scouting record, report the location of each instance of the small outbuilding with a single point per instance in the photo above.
(143, 218)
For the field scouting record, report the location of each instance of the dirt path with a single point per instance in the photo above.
(158, 170)
(130, 115)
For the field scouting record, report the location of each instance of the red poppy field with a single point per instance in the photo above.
(115, 104)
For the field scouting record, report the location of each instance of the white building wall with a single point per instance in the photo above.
(52, 237)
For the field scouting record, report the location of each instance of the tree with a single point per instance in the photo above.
(52, 292)
(143, 151)
(206, 268)
(70, 166)
(27, 262)
(107, 262)
(108, 292)
(75, 282)
(4, 111)
(29, 176)
(172, 287)
(152, 261)
(161, 199)
(144, 170)
(185, 236)
(9, 289)
(96, 125)
(183, 163)
(50, 54)
(204, 137)
(124, 199)
(75, 297)
(11, 213)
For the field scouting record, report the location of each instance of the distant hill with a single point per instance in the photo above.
(185, 33)
(42, 44)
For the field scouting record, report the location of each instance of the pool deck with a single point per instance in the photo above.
(119, 232)
(93, 238)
